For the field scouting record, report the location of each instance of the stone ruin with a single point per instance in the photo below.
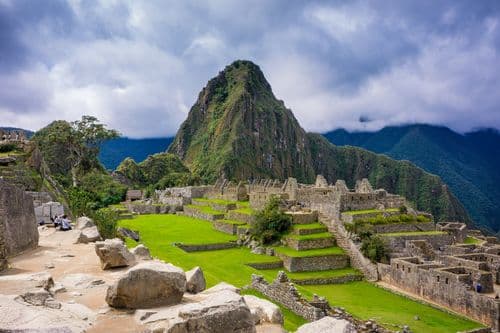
(18, 227)
(12, 136)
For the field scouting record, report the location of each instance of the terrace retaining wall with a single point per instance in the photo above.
(308, 244)
(317, 263)
(238, 216)
(205, 247)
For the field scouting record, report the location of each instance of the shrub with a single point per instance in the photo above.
(403, 209)
(271, 223)
(375, 249)
(7, 147)
(106, 220)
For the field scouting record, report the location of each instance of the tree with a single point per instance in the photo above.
(87, 136)
(78, 141)
(271, 223)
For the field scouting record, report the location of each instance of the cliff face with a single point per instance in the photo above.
(238, 129)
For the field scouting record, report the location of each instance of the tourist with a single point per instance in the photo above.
(57, 221)
(65, 224)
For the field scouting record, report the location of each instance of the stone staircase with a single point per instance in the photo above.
(357, 259)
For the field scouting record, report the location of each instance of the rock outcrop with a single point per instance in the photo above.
(195, 281)
(88, 235)
(141, 252)
(149, 284)
(327, 325)
(223, 311)
(113, 253)
(263, 311)
(128, 233)
(84, 222)
(18, 227)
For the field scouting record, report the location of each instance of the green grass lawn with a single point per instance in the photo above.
(243, 204)
(471, 240)
(309, 253)
(270, 274)
(311, 236)
(371, 211)
(244, 210)
(364, 300)
(413, 233)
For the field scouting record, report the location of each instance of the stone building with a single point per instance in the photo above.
(12, 136)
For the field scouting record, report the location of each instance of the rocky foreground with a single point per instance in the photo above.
(67, 286)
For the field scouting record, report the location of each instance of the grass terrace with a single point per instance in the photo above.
(311, 236)
(413, 233)
(362, 299)
(206, 209)
(271, 273)
(234, 222)
(309, 253)
(216, 201)
(244, 210)
(472, 240)
(310, 226)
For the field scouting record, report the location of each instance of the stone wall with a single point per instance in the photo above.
(398, 243)
(331, 280)
(193, 212)
(317, 263)
(309, 244)
(141, 209)
(303, 217)
(227, 228)
(45, 211)
(404, 227)
(284, 292)
(234, 215)
(266, 265)
(18, 228)
(452, 287)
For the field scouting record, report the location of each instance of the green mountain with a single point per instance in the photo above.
(468, 163)
(238, 129)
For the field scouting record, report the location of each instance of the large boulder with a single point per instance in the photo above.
(328, 325)
(149, 284)
(222, 286)
(223, 311)
(141, 252)
(113, 253)
(84, 222)
(195, 280)
(263, 311)
(88, 235)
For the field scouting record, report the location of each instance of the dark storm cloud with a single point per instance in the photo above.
(138, 65)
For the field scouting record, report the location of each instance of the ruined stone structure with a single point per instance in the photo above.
(18, 228)
(466, 283)
(12, 136)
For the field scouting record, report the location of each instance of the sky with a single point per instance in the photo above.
(138, 66)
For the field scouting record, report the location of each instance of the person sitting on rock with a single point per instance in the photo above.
(65, 224)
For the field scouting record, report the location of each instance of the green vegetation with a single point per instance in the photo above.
(292, 321)
(106, 220)
(232, 222)
(375, 249)
(271, 223)
(314, 275)
(472, 240)
(309, 226)
(309, 253)
(158, 171)
(364, 300)
(7, 148)
(468, 163)
(414, 233)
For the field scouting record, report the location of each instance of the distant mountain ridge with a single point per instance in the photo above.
(113, 152)
(239, 130)
(469, 163)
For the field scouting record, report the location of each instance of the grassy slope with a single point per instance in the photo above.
(362, 299)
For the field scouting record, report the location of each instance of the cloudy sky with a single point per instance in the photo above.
(139, 65)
